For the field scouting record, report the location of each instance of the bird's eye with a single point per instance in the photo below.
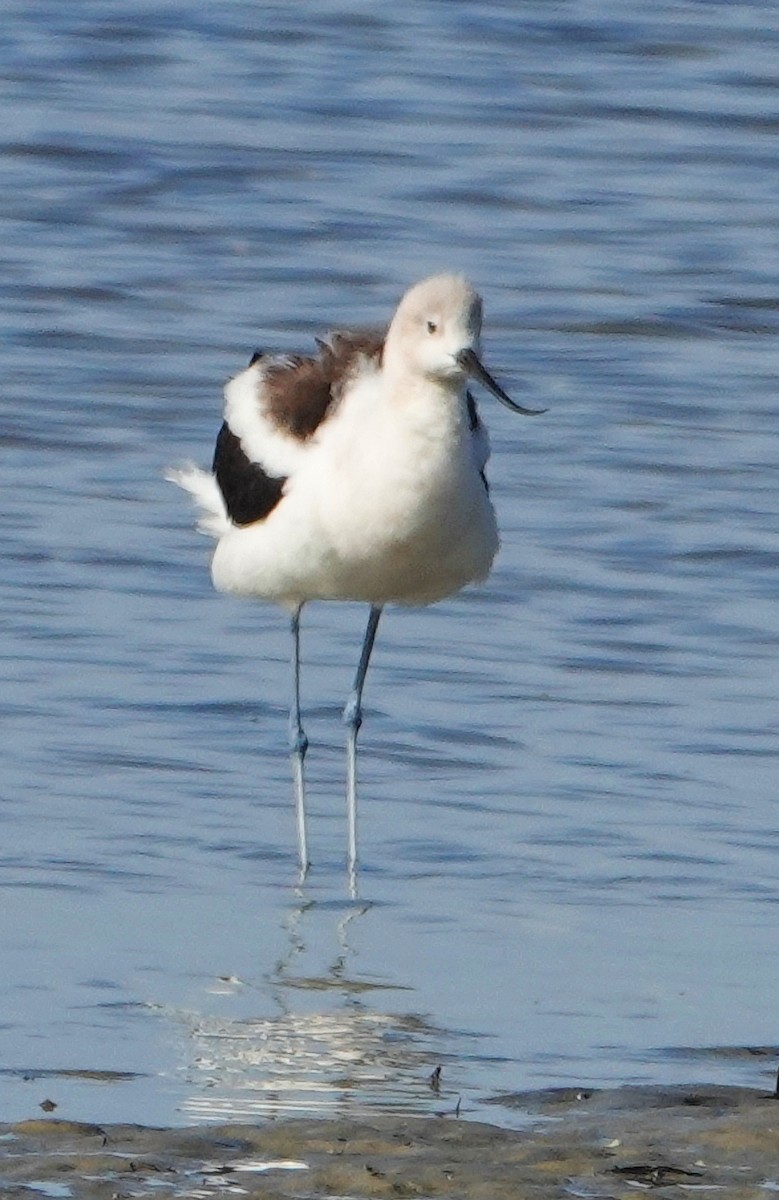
(432, 327)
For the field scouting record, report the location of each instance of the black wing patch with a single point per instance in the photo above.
(249, 492)
(473, 412)
(473, 425)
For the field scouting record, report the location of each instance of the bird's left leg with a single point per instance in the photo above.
(353, 720)
(298, 744)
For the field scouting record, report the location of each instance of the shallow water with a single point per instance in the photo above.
(568, 820)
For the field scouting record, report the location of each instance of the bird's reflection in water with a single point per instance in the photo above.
(327, 1049)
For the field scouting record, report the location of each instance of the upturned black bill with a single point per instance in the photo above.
(470, 361)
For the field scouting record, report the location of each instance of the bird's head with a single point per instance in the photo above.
(436, 333)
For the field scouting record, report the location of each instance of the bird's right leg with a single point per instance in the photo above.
(353, 720)
(298, 744)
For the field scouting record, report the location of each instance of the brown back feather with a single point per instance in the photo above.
(300, 391)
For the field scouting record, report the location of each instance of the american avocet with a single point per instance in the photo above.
(355, 474)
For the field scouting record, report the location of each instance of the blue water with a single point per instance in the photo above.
(569, 828)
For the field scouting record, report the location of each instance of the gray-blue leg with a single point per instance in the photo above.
(298, 744)
(353, 720)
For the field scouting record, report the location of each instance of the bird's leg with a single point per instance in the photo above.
(298, 744)
(353, 720)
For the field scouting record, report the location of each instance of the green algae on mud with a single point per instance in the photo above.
(581, 1143)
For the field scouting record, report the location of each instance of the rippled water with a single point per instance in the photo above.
(568, 822)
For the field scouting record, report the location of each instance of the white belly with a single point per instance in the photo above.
(415, 557)
(292, 561)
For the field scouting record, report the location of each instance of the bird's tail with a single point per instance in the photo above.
(203, 488)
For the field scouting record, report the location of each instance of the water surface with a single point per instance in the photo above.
(568, 821)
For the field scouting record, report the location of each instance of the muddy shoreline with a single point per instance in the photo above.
(607, 1143)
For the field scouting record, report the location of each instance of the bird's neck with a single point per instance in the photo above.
(426, 404)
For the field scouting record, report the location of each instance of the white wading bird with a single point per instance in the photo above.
(356, 474)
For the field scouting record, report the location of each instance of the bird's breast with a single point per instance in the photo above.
(408, 516)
